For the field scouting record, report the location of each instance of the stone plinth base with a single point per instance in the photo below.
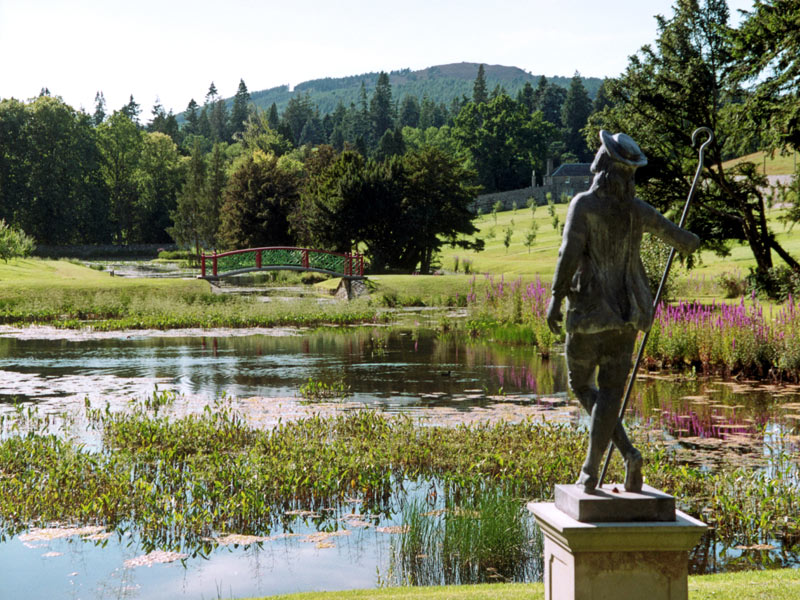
(611, 503)
(615, 560)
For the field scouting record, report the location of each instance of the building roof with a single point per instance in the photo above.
(573, 170)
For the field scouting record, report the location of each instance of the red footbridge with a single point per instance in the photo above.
(235, 262)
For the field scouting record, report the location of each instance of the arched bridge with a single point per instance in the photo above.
(281, 258)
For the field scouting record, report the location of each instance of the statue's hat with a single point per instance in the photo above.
(623, 149)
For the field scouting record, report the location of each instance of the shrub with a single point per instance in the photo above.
(732, 284)
(14, 242)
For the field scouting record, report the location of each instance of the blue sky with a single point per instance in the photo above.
(173, 49)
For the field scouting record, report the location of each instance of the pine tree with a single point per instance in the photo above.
(381, 111)
(479, 95)
(131, 110)
(409, 111)
(602, 99)
(574, 114)
(527, 97)
(192, 118)
(190, 218)
(239, 109)
(99, 109)
(219, 121)
(211, 94)
(273, 120)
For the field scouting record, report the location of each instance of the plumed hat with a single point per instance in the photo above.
(622, 148)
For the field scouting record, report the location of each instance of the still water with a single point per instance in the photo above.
(395, 370)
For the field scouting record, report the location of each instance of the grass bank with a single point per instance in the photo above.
(782, 584)
(64, 294)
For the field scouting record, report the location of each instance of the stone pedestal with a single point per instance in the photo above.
(615, 560)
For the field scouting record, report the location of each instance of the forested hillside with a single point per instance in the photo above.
(441, 84)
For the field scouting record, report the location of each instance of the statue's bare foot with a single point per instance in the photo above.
(588, 481)
(633, 472)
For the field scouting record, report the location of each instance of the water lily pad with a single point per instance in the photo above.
(238, 539)
(153, 558)
(54, 533)
(393, 529)
(756, 547)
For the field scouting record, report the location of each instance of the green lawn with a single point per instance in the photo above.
(773, 165)
(783, 584)
(35, 273)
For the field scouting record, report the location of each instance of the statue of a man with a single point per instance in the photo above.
(600, 273)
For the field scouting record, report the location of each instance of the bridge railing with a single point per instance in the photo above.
(250, 259)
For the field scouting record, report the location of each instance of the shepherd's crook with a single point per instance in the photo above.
(656, 300)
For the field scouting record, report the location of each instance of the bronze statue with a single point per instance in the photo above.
(600, 273)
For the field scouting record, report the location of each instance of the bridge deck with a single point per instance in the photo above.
(282, 258)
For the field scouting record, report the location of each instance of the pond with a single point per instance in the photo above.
(442, 379)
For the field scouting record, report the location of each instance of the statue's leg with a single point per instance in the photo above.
(613, 373)
(582, 350)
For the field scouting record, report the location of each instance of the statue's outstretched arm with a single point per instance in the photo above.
(683, 240)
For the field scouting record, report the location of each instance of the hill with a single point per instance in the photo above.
(441, 83)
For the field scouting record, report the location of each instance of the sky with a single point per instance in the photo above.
(171, 50)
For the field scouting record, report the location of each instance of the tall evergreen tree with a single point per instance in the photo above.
(192, 117)
(273, 119)
(381, 108)
(298, 111)
(99, 109)
(601, 98)
(409, 111)
(239, 109)
(191, 219)
(527, 97)
(574, 114)
(479, 93)
(132, 111)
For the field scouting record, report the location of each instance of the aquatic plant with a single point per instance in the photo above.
(486, 535)
(323, 390)
(511, 313)
(151, 307)
(182, 480)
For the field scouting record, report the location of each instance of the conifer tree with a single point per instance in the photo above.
(131, 110)
(381, 111)
(409, 111)
(192, 118)
(479, 94)
(273, 120)
(574, 114)
(239, 109)
(99, 109)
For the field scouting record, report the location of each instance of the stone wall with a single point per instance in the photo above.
(539, 193)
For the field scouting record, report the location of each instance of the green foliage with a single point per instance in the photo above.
(655, 254)
(504, 140)
(50, 186)
(530, 235)
(120, 142)
(485, 536)
(14, 242)
(402, 210)
(260, 195)
(685, 79)
(574, 115)
(767, 54)
(322, 390)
